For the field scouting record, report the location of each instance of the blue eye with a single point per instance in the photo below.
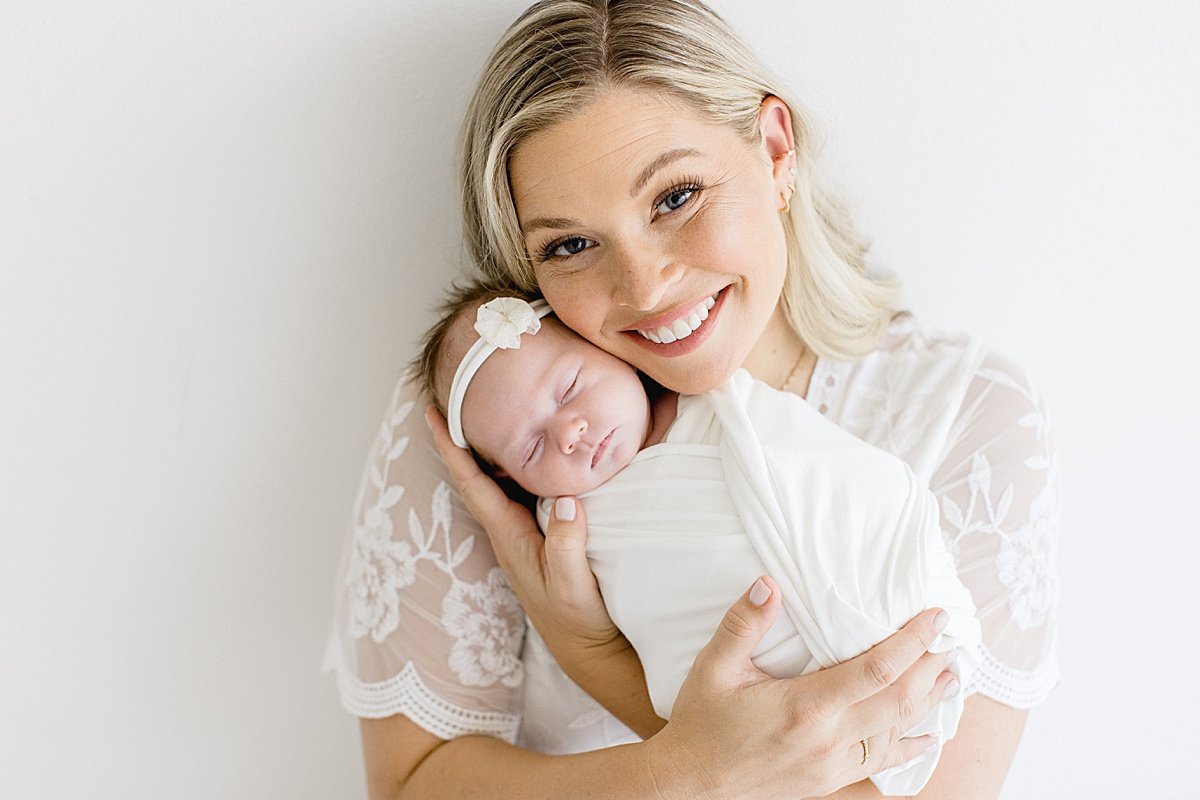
(565, 248)
(675, 199)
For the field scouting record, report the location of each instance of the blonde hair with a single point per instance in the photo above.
(561, 54)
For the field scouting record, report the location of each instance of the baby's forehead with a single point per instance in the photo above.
(456, 340)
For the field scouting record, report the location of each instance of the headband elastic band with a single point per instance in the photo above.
(499, 323)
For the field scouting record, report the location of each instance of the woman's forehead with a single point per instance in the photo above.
(619, 136)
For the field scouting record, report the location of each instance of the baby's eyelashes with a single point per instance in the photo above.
(570, 389)
(535, 449)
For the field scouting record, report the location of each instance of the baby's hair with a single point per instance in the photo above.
(428, 368)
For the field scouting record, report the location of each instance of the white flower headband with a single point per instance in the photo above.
(499, 323)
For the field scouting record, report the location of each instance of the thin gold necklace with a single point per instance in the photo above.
(795, 368)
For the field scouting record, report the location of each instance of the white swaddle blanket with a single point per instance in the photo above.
(750, 480)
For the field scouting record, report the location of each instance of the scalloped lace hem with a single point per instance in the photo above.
(1014, 687)
(405, 693)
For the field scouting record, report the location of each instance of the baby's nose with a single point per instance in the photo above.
(572, 431)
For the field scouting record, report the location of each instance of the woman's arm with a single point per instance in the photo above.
(974, 763)
(734, 733)
(405, 761)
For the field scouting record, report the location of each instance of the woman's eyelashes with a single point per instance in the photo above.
(564, 248)
(679, 196)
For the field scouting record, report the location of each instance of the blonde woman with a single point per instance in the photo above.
(632, 161)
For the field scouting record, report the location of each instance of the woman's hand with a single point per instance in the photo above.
(551, 577)
(741, 733)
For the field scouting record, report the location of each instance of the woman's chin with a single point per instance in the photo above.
(698, 379)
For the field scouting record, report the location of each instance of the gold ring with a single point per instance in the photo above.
(866, 751)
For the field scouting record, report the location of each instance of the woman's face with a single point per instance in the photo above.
(655, 234)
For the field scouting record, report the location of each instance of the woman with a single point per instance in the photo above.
(629, 160)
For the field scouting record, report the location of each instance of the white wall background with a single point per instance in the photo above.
(221, 226)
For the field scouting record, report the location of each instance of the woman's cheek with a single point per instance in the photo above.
(579, 300)
(718, 238)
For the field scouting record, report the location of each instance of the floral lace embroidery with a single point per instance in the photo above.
(379, 567)
(484, 617)
(1026, 562)
(981, 514)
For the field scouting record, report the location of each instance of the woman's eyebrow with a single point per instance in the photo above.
(557, 223)
(654, 166)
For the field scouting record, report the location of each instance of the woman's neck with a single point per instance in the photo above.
(780, 358)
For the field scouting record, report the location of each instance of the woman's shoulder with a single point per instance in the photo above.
(929, 354)
(909, 338)
(909, 396)
(917, 358)
(914, 362)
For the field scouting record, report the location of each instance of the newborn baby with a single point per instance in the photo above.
(689, 498)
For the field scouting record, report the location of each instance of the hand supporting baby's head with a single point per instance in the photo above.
(546, 408)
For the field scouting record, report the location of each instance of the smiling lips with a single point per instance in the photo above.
(682, 327)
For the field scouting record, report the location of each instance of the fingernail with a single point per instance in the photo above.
(564, 509)
(759, 592)
(953, 657)
(940, 621)
(428, 419)
(952, 687)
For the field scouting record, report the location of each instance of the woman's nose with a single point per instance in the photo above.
(643, 278)
(571, 429)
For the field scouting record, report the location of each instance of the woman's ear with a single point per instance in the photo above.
(778, 142)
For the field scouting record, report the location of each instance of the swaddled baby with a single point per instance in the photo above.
(689, 498)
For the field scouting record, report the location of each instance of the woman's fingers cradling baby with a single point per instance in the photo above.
(888, 690)
(815, 725)
(570, 583)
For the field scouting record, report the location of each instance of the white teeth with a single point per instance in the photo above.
(682, 327)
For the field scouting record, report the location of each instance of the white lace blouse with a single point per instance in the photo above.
(426, 626)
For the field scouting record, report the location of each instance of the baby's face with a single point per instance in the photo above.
(558, 414)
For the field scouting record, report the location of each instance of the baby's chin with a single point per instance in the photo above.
(596, 478)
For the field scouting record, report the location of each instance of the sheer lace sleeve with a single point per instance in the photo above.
(426, 625)
(997, 488)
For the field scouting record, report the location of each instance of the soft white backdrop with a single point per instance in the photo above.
(221, 228)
